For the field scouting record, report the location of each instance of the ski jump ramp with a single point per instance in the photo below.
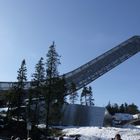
(95, 68)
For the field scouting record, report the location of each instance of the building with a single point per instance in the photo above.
(81, 115)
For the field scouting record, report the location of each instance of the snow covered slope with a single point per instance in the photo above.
(96, 133)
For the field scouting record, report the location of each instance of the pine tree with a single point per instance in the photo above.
(125, 107)
(22, 78)
(109, 107)
(116, 108)
(37, 83)
(84, 93)
(59, 92)
(53, 60)
(121, 108)
(39, 74)
(133, 109)
(90, 98)
(74, 95)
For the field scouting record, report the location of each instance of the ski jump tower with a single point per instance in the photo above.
(95, 68)
(103, 63)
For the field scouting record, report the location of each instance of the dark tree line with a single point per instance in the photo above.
(46, 85)
(123, 108)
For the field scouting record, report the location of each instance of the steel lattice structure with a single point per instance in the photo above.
(92, 70)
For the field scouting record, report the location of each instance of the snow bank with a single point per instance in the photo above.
(96, 133)
(4, 109)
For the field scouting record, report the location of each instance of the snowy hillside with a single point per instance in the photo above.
(96, 133)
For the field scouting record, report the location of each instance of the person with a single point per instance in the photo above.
(29, 138)
(12, 137)
(61, 138)
(76, 138)
(18, 138)
(117, 137)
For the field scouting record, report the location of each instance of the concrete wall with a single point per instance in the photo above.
(79, 115)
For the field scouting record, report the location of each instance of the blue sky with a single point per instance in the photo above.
(82, 30)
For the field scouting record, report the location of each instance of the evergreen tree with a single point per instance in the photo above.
(116, 108)
(59, 92)
(53, 60)
(125, 107)
(84, 94)
(90, 97)
(133, 109)
(37, 84)
(112, 109)
(122, 108)
(74, 95)
(39, 74)
(109, 108)
(22, 78)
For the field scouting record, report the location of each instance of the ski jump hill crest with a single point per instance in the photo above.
(95, 68)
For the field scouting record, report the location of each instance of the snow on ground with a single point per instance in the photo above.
(104, 133)
(4, 109)
(136, 116)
